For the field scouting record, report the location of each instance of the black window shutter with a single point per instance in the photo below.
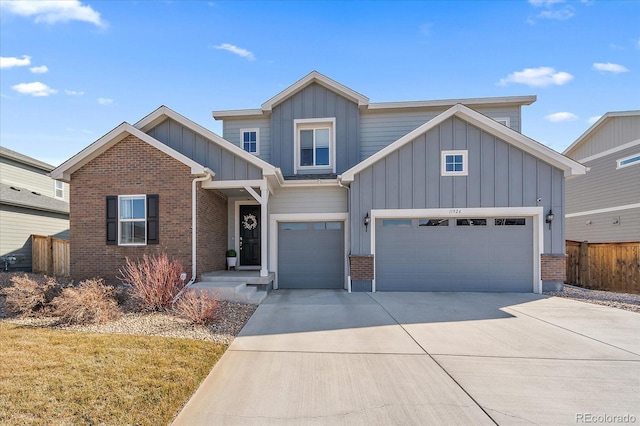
(153, 219)
(112, 220)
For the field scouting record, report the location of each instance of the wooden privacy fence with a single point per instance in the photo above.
(50, 256)
(604, 266)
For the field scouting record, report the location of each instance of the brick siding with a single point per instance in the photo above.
(361, 267)
(134, 167)
(553, 267)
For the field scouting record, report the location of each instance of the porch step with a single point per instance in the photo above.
(232, 291)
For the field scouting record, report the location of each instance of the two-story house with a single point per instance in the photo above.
(30, 203)
(320, 188)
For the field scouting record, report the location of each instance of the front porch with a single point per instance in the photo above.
(243, 286)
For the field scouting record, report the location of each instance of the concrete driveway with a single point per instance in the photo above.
(328, 357)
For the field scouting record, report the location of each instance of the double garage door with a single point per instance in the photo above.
(311, 255)
(454, 254)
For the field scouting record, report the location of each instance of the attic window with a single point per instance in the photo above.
(503, 120)
(628, 161)
(454, 163)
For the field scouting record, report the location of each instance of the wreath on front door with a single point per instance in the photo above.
(249, 222)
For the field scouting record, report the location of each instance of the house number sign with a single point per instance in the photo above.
(455, 211)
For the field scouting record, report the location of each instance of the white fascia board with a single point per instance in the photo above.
(66, 169)
(607, 116)
(506, 100)
(166, 112)
(316, 77)
(238, 113)
(609, 151)
(233, 184)
(309, 183)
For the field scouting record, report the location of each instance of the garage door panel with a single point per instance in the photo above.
(491, 257)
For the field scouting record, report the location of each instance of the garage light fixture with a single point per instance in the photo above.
(366, 221)
(549, 218)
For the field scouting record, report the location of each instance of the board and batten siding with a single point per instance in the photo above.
(315, 101)
(500, 175)
(226, 165)
(17, 226)
(381, 128)
(28, 177)
(615, 132)
(231, 132)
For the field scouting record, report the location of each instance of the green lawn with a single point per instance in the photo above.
(60, 377)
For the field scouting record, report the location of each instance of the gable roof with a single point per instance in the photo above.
(65, 170)
(24, 159)
(164, 112)
(18, 196)
(485, 123)
(601, 121)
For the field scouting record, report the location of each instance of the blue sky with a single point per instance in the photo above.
(73, 70)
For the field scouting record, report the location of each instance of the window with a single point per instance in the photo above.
(433, 222)
(250, 140)
(132, 220)
(510, 221)
(59, 189)
(454, 163)
(628, 161)
(315, 144)
(471, 222)
(503, 120)
(396, 223)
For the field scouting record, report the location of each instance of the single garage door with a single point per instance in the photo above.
(455, 254)
(311, 255)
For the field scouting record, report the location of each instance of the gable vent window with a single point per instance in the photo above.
(628, 161)
(250, 140)
(454, 163)
(132, 220)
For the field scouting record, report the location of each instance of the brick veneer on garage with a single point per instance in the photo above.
(553, 267)
(134, 167)
(361, 268)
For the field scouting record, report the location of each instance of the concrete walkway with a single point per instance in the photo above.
(332, 358)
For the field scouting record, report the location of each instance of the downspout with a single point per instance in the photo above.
(208, 174)
(349, 210)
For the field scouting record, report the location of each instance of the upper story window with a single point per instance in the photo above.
(59, 189)
(454, 163)
(250, 140)
(315, 144)
(628, 161)
(503, 120)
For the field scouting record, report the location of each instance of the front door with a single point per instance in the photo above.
(250, 235)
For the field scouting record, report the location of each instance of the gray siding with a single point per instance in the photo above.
(309, 200)
(500, 175)
(231, 132)
(226, 165)
(17, 226)
(602, 187)
(379, 129)
(315, 101)
(31, 178)
(614, 132)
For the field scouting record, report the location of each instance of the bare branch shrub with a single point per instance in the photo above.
(30, 297)
(154, 281)
(199, 307)
(92, 302)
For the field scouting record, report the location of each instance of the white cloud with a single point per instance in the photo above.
(34, 89)
(53, 11)
(39, 70)
(73, 92)
(592, 120)
(10, 62)
(105, 101)
(236, 50)
(615, 68)
(545, 3)
(537, 77)
(559, 117)
(563, 14)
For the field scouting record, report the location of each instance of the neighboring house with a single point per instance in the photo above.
(30, 203)
(604, 205)
(319, 185)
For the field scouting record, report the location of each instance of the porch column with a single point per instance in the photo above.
(264, 220)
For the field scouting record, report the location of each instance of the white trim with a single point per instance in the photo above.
(315, 77)
(601, 120)
(232, 184)
(465, 163)
(485, 123)
(257, 132)
(144, 219)
(236, 221)
(236, 113)
(505, 100)
(313, 124)
(609, 151)
(506, 121)
(536, 213)
(605, 210)
(56, 189)
(635, 163)
(274, 219)
(65, 170)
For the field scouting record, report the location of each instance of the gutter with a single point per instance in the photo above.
(339, 180)
(208, 175)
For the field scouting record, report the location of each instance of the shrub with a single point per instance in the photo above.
(154, 281)
(199, 307)
(28, 296)
(92, 302)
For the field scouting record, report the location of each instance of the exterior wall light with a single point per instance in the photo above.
(549, 218)
(366, 221)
